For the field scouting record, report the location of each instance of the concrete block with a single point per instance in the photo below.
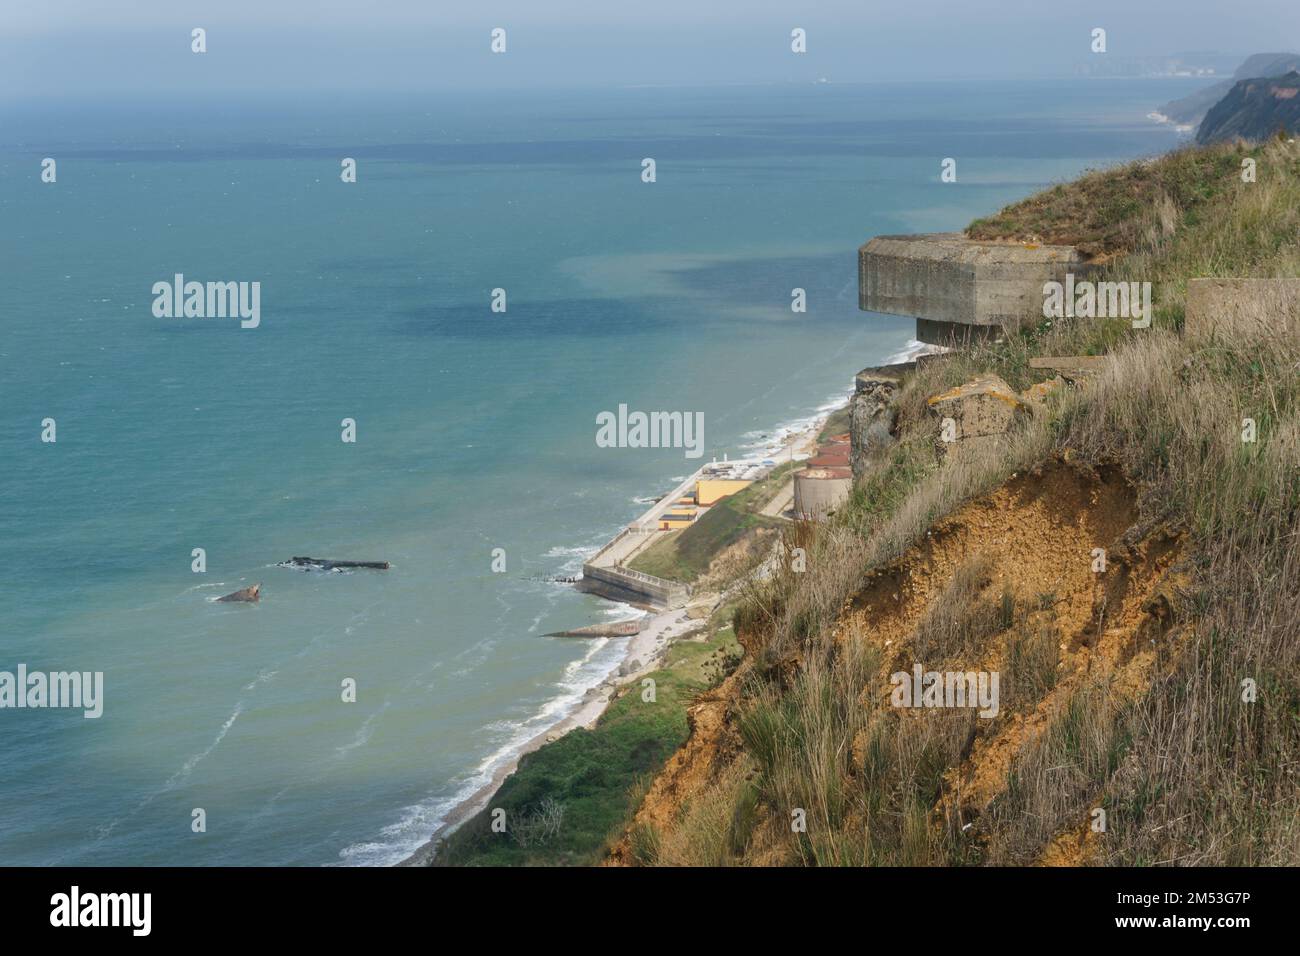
(1038, 395)
(871, 420)
(959, 288)
(981, 411)
(1072, 368)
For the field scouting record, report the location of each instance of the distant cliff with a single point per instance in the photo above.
(1254, 110)
(1191, 109)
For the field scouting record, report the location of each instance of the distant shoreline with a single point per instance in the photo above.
(1157, 117)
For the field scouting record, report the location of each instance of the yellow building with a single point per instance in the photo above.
(672, 520)
(709, 491)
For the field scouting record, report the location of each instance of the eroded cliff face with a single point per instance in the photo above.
(1062, 593)
(712, 750)
(1254, 109)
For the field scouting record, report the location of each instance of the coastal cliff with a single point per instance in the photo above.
(1254, 110)
(1191, 109)
(1119, 554)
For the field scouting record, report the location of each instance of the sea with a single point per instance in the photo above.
(339, 720)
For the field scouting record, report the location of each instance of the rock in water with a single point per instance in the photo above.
(251, 594)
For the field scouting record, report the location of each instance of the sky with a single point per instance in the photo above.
(94, 48)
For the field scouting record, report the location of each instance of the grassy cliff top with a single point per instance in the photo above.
(1106, 213)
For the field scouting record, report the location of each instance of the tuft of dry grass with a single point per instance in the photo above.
(844, 784)
(1033, 653)
(1054, 779)
(961, 618)
(715, 826)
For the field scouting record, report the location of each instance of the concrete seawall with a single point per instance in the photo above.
(604, 573)
(634, 587)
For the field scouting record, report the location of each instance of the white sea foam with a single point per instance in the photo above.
(417, 822)
(185, 770)
(559, 552)
(912, 351)
(575, 556)
(263, 676)
(198, 758)
(775, 442)
(619, 610)
(362, 736)
(205, 586)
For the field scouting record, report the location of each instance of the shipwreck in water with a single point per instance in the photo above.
(329, 564)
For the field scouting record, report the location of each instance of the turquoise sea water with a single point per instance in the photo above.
(475, 429)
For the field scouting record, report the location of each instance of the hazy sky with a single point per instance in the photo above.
(96, 47)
